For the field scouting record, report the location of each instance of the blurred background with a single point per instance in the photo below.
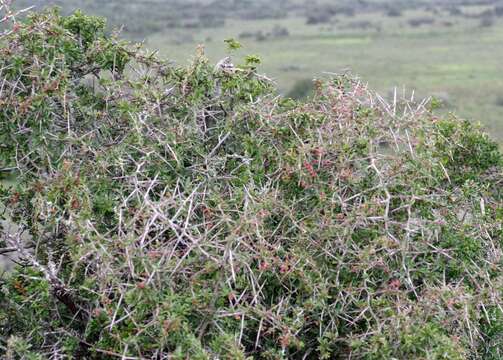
(451, 49)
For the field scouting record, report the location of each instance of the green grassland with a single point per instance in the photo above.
(454, 58)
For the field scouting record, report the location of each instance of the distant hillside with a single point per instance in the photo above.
(148, 16)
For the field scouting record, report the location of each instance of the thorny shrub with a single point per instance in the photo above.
(191, 213)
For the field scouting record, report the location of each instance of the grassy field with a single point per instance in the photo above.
(455, 58)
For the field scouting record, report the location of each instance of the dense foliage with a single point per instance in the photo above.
(191, 213)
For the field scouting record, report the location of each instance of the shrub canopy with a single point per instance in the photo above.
(192, 213)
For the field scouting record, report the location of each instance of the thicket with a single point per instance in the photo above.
(192, 213)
